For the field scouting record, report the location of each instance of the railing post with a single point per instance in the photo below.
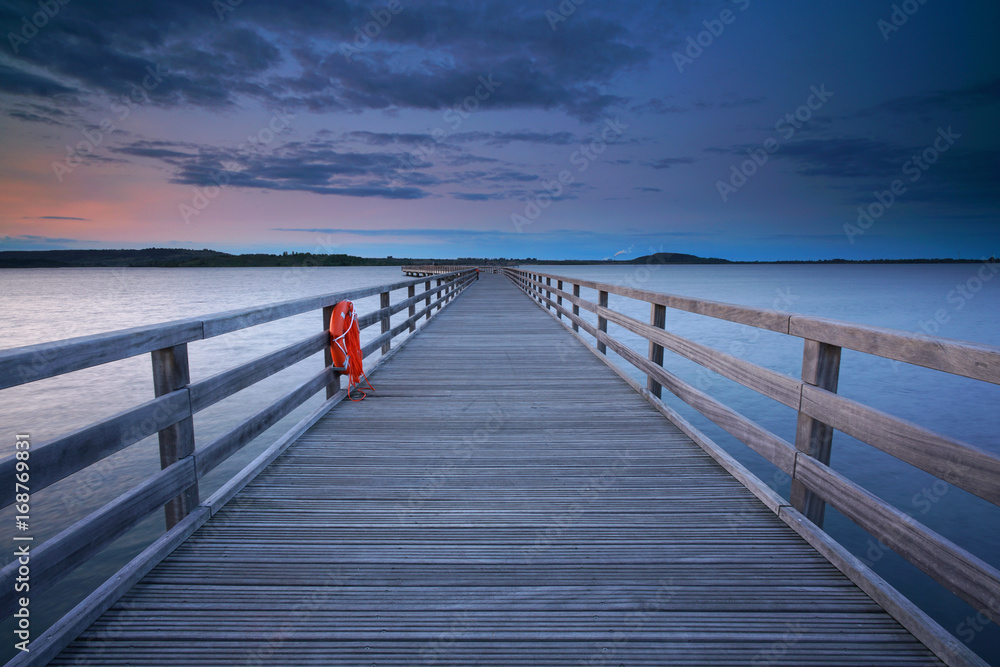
(170, 373)
(438, 294)
(427, 302)
(820, 368)
(657, 318)
(548, 293)
(576, 307)
(334, 385)
(384, 303)
(559, 286)
(411, 292)
(602, 323)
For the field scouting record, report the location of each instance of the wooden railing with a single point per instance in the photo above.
(820, 411)
(170, 414)
(432, 269)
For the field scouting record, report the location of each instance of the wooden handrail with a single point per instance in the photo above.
(956, 462)
(21, 365)
(820, 411)
(972, 360)
(57, 557)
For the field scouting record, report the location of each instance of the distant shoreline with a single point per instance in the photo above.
(184, 258)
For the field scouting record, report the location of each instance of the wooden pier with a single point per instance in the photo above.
(505, 496)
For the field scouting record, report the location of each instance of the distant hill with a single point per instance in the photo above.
(677, 258)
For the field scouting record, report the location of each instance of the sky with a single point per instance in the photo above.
(573, 129)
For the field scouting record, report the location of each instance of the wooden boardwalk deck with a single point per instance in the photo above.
(502, 498)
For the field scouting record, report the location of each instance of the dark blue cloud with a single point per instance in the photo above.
(668, 162)
(429, 56)
(20, 82)
(983, 94)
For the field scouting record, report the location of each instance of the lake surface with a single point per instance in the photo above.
(51, 304)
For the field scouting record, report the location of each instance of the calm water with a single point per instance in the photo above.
(41, 305)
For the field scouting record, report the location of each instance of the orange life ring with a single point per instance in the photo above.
(345, 346)
(340, 324)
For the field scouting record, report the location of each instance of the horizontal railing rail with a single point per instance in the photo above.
(434, 269)
(820, 411)
(170, 414)
(431, 269)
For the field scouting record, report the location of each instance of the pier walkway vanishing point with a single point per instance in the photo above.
(503, 497)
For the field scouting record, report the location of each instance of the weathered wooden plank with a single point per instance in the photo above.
(384, 303)
(78, 449)
(412, 308)
(658, 320)
(576, 307)
(965, 575)
(57, 556)
(973, 360)
(820, 368)
(170, 374)
(602, 322)
(967, 467)
(34, 362)
(326, 341)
